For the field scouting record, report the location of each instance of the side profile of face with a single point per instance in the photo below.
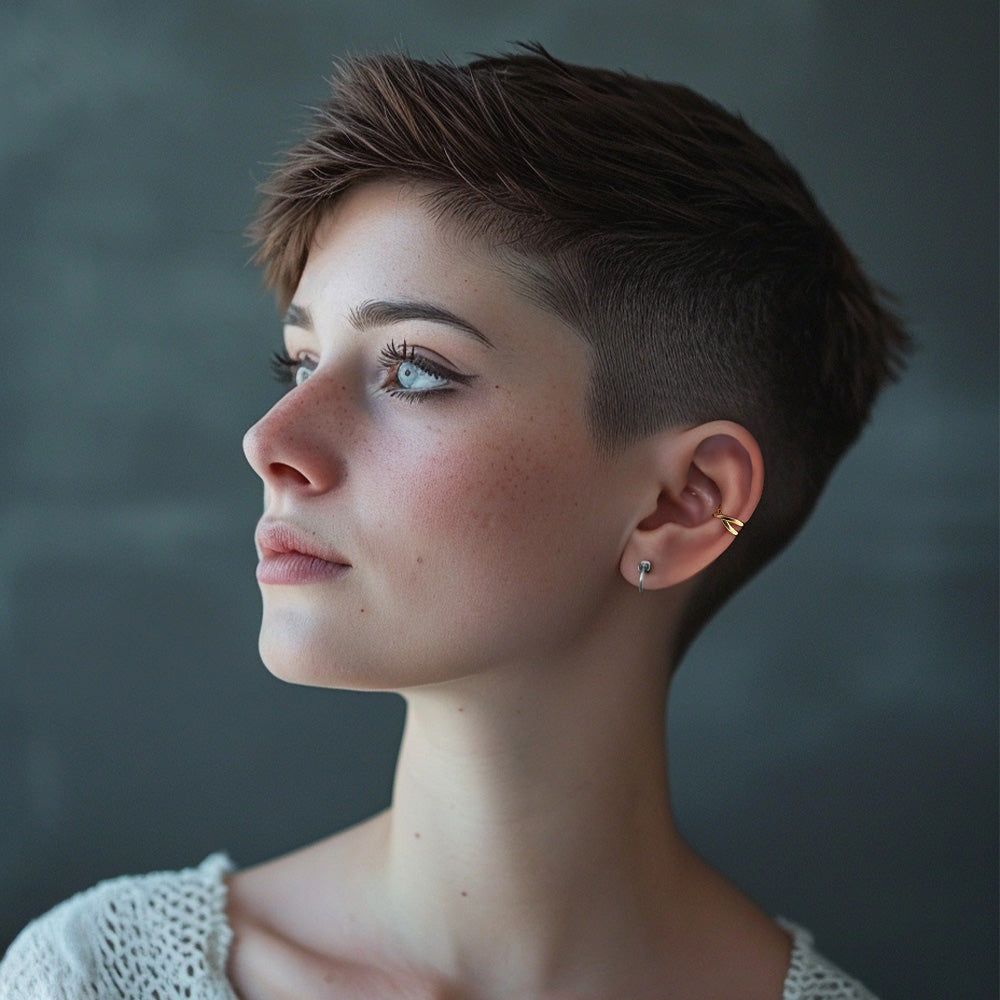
(434, 502)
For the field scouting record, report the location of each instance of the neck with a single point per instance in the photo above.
(532, 806)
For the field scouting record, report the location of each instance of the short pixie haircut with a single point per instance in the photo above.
(684, 250)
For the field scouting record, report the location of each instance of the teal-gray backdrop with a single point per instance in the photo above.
(834, 733)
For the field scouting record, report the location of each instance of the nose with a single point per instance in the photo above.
(294, 445)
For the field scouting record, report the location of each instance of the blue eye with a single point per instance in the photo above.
(409, 375)
(414, 376)
(406, 373)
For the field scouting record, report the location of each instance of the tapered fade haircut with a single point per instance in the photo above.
(685, 251)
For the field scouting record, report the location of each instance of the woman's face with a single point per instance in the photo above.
(434, 502)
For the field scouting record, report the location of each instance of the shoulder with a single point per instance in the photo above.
(813, 977)
(163, 934)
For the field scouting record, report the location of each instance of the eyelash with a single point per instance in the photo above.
(284, 368)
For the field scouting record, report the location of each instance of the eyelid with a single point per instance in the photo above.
(429, 361)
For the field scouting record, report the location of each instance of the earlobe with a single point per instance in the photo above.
(708, 482)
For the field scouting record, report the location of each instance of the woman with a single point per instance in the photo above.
(547, 329)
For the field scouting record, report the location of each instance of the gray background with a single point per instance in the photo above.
(834, 734)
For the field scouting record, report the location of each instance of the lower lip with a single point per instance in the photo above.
(297, 567)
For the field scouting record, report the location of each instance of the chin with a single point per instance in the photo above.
(297, 656)
(294, 649)
(293, 661)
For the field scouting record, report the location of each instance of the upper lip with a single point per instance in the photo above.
(278, 537)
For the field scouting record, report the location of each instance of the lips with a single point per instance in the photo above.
(288, 555)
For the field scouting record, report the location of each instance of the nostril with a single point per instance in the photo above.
(279, 473)
(291, 452)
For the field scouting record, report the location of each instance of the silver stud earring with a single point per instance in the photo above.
(644, 567)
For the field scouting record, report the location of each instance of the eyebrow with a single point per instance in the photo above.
(384, 312)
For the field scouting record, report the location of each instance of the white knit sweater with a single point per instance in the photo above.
(164, 936)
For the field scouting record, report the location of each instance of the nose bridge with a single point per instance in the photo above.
(298, 441)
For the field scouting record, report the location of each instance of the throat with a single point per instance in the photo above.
(559, 844)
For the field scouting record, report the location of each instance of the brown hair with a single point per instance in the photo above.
(687, 253)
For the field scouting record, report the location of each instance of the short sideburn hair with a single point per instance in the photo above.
(686, 252)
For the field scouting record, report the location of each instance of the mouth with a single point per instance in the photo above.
(288, 555)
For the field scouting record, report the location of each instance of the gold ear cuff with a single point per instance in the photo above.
(731, 524)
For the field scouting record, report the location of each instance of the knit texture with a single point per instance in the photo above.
(162, 936)
(812, 977)
(165, 936)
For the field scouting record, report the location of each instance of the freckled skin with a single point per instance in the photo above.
(461, 513)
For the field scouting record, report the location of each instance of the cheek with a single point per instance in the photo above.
(497, 502)
(508, 539)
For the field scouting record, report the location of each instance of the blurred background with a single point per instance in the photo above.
(833, 734)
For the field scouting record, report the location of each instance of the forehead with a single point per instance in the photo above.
(396, 224)
(388, 239)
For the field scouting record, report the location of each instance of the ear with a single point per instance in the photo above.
(693, 475)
